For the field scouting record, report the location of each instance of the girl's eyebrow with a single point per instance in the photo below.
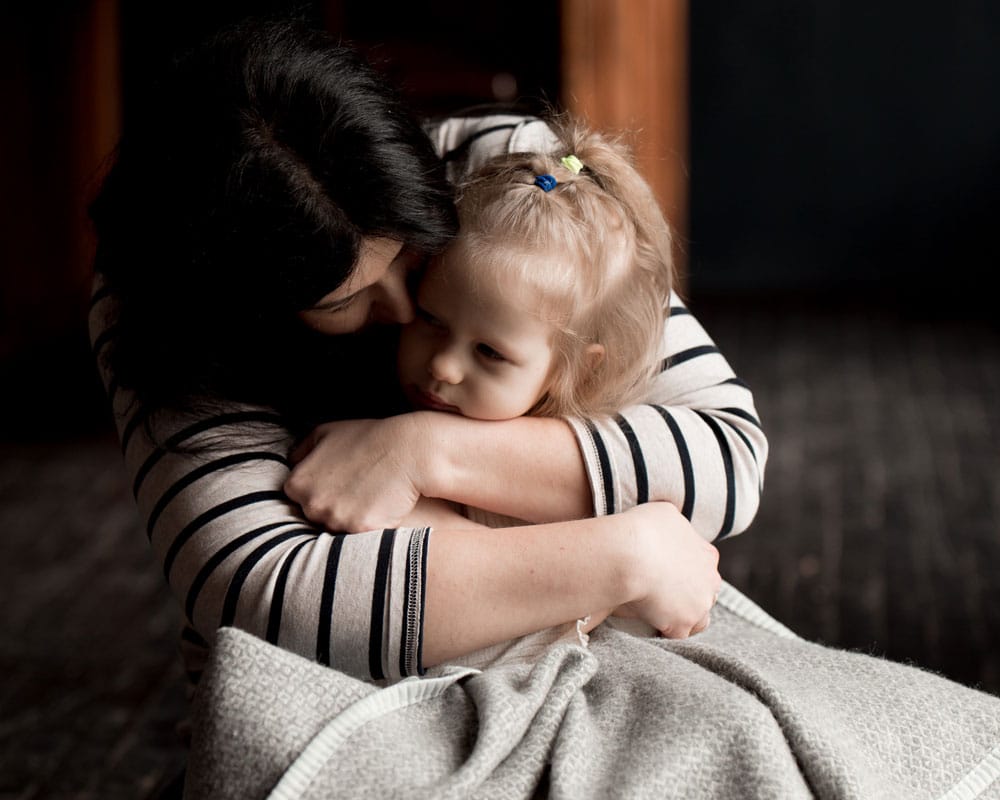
(504, 346)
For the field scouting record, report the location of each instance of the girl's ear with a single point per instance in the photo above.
(593, 356)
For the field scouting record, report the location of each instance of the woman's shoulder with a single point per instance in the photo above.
(205, 426)
(466, 140)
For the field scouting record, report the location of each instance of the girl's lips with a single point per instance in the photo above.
(432, 402)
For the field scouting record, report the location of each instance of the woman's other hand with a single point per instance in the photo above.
(675, 577)
(358, 475)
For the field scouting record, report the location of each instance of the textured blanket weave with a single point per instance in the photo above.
(744, 710)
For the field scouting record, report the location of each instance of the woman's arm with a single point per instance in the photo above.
(235, 551)
(486, 586)
(359, 474)
(697, 444)
(379, 604)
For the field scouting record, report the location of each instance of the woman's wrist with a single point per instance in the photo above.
(530, 468)
(428, 440)
(635, 554)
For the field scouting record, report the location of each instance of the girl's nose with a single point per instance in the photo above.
(444, 367)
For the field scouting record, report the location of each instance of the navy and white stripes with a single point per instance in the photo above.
(236, 551)
(697, 441)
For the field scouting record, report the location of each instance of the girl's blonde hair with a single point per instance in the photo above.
(594, 252)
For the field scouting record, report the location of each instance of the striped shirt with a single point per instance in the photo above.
(235, 551)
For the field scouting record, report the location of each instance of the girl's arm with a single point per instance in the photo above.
(436, 513)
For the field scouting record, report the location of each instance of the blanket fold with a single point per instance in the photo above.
(744, 710)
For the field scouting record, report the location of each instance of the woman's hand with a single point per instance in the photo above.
(359, 475)
(675, 578)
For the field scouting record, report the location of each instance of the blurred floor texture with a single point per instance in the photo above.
(879, 531)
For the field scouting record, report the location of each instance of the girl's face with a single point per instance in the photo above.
(375, 292)
(478, 353)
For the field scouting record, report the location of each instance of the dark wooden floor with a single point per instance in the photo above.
(879, 528)
(879, 531)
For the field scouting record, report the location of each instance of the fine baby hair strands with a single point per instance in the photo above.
(580, 231)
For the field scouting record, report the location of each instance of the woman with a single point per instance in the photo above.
(263, 214)
(269, 205)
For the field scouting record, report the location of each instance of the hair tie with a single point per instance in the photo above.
(572, 163)
(545, 182)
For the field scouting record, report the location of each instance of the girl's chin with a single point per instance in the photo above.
(431, 402)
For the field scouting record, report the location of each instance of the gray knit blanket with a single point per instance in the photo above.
(744, 710)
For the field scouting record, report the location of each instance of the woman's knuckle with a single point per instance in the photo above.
(315, 509)
(292, 487)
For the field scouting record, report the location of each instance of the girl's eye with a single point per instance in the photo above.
(488, 352)
(425, 316)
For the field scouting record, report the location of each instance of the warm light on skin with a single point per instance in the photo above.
(375, 292)
(473, 351)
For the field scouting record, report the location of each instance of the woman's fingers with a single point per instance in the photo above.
(704, 623)
(353, 475)
(678, 569)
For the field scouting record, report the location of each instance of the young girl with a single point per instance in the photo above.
(553, 298)
(551, 302)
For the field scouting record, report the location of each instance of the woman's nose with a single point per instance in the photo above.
(392, 302)
(444, 367)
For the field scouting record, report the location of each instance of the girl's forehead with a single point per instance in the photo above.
(488, 285)
(481, 306)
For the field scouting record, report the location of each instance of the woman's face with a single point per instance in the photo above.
(375, 292)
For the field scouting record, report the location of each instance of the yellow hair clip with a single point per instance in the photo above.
(572, 163)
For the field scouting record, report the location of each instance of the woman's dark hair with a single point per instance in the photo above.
(239, 195)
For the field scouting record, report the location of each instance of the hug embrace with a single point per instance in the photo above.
(432, 456)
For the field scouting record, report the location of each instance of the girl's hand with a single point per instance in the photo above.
(675, 572)
(358, 475)
(430, 511)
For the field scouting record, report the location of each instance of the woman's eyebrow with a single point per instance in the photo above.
(332, 305)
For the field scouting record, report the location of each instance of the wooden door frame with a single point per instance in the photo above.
(625, 68)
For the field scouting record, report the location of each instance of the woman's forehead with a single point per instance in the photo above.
(375, 256)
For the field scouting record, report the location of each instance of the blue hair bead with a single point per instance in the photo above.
(545, 182)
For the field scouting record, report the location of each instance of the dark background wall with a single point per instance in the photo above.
(847, 144)
(445, 54)
(850, 144)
